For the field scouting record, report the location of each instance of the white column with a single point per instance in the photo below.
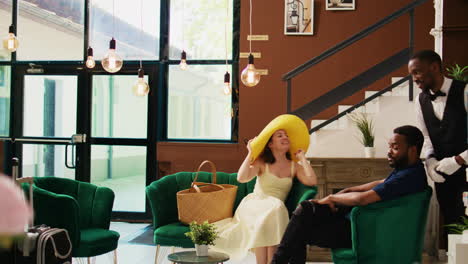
(437, 30)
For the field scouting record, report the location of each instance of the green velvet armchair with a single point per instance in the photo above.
(83, 209)
(168, 231)
(387, 232)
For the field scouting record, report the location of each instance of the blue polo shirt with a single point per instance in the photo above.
(401, 182)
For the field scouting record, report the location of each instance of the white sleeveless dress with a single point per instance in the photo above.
(260, 219)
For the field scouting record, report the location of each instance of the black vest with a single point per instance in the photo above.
(448, 136)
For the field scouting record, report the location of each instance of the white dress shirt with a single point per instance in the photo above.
(439, 106)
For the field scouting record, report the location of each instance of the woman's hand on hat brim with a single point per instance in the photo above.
(300, 155)
(249, 148)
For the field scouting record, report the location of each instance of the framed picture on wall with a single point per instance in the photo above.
(340, 4)
(298, 17)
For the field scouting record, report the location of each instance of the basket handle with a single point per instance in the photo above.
(213, 172)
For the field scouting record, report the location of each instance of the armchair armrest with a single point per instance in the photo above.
(47, 204)
(162, 198)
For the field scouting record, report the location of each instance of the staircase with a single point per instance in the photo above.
(389, 107)
(341, 139)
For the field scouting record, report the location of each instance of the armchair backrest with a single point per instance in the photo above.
(94, 202)
(56, 210)
(163, 201)
(391, 231)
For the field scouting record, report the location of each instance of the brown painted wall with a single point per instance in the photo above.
(260, 104)
(455, 32)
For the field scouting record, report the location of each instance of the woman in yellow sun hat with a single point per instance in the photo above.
(275, 157)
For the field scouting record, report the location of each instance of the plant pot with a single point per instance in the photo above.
(202, 250)
(369, 152)
(465, 236)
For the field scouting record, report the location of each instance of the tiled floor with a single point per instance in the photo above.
(131, 253)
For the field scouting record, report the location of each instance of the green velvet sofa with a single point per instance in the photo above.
(83, 209)
(168, 231)
(387, 232)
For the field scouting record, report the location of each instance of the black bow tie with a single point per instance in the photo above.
(436, 94)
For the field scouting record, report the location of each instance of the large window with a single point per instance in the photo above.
(5, 22)
(49, 106)
(197, 107)
(4, 100)
(198, 27)
(50, 30)
(133, 42)
(116, 112)
(123, 169)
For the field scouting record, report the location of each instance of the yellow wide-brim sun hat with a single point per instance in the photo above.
(295, 128)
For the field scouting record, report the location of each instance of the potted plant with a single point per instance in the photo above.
(202, 235)
(458, 73)
(457, 239)
(366, 127)
(460, 228)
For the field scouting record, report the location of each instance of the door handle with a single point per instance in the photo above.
(73, 165)
(75, 139)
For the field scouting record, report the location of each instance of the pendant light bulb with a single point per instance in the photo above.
(227, 84)
(141, 88)
(11, 43)
(112, 62)
(183, 61)
(90, 62)
(250, 76)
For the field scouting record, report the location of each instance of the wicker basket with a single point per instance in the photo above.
(206, 201)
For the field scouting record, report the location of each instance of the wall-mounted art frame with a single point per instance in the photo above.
(298, 17)
(340, 4)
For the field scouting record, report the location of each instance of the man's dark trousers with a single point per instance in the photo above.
(449, 196)
(313, 224)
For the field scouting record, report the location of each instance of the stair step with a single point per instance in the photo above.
(332, 126)
(402, 89)
(370, 108)
(370, 93)
(342, 108)
(394, 111)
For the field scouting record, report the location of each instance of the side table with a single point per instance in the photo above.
(190, 257)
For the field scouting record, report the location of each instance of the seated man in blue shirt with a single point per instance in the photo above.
(325, 223)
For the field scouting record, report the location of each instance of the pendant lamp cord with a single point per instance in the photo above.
(141, 33)
(113, 18)
(250, 24)
(225, 34)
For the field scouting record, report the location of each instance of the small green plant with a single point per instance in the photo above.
(365, 126)
(457, 228)
(458, 73)
(202, 234)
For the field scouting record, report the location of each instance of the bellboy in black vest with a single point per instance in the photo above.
(441, 113)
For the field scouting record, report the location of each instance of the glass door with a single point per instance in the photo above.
(89, 126)
(119, 141)
(45, 122)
